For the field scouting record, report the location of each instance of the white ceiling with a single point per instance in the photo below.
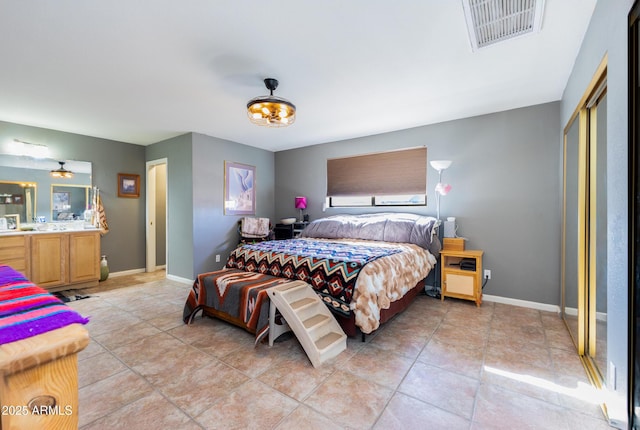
(142, 71)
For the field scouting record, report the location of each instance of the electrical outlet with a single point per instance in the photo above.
(487, 274)
(217, 258)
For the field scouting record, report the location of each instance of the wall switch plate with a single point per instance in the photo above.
(487, 274)
(217, 258)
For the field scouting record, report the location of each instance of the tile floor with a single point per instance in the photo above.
(439, 365)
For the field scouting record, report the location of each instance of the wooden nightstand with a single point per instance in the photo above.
(461, 274)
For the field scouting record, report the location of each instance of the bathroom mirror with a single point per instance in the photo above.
(35, 173)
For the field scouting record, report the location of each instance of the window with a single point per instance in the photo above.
(359, 201)
(393, 178)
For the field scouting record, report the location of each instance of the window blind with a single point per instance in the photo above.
(383, 173)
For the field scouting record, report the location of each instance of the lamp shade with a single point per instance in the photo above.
(440, 165)
(301, 202)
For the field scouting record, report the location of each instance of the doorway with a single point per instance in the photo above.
(156, 222)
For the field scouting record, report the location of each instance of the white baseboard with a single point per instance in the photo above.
(600, 316)
(126, 272)
(180, 279)
(573, 312)
(134, 271)
(521, 303)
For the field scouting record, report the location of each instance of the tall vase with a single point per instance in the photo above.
(104, 268)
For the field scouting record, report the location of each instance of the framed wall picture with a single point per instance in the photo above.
(128, 185)
(239, 189)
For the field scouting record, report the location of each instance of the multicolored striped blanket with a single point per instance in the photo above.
(27, 310)
(330, 267)
(239, 294)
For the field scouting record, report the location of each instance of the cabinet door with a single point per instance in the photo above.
(84, 257)
(49, 259)
(460, 284)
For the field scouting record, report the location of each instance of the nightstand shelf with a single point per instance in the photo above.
(461, 274)
(289, 231)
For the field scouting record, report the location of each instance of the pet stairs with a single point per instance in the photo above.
(311, 321)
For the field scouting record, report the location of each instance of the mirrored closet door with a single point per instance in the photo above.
(584, 241)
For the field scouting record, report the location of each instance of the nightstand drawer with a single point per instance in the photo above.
(460, 284)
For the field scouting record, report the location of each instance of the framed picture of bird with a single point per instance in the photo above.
(239, 189)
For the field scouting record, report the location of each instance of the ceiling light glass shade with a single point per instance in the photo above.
(271, 111)
(440, 165)
(61, 172)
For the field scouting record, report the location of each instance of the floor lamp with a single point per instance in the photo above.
(441, 189)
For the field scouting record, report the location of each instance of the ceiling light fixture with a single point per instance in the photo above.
(61, 172)
(271, 111)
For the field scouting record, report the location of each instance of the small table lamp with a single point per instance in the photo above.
(301, 203)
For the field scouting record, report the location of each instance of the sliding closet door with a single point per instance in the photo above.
(597, 341)
(584, 242)
(634, 204)
(573, 213)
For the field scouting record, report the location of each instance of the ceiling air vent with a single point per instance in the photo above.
(492, 21)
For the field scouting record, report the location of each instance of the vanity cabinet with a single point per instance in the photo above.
(14, 252)
(54, 260)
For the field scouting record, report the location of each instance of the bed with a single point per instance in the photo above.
(366, 268)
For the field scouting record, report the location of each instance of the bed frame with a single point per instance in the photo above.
(348, 324)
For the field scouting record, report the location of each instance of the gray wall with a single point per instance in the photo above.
(213, 232)
(197, 228)
(607, 34)
(504, 196)
(177, 151)
(125, 243)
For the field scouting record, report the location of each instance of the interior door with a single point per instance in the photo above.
(156, 214)
(151, 218)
